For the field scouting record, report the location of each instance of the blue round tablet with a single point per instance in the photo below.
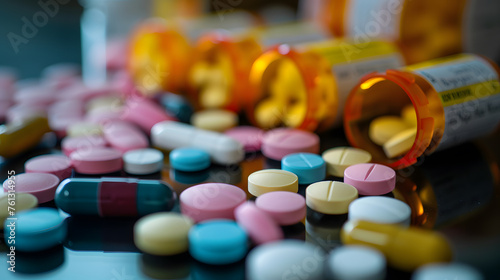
(218, 242)
(189, 159)
(35, 230)
(308, 167)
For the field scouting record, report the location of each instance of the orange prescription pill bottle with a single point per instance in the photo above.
(424, 29)
(455, 99)
(305, 86)
(222, 61)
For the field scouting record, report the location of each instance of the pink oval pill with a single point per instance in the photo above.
(286, 208)
(260, 227)
(71, 144)
(124, 136)
(280, 142)
(211, 201)
(58, 165)
(41, 185)
(250, 137)
(370, 178)
(97, 160)
(144, 113)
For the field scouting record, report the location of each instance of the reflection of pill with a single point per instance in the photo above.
(41, 185)
(142, 161)
(97, 160)
(400, 143)
(211, 201)
(383, 128)
(370, 178)
(380, 209)
(58, 165)
(162, 233)
(23, 201)
(270, 180)
(189, 159)
(280, 142)
(261, 228)
(250, 137)
(215, 120)
(286, 208)
(308, 167)
(330, 197)
(438, 271)
(409, 115)
(356, 262)
(338, 159)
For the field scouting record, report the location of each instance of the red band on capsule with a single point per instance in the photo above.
(117, 198)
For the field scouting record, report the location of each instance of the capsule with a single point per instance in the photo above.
(18, 137)
(114, 197)
(405, 248)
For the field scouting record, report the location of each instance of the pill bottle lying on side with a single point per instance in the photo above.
(455, 99)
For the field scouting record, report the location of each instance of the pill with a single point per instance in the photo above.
(108, 102)
(177, 106)
(280, 142)
(259, 226)
(23, 112)
(286, 208)
(269, 113)
(404, 248)
(111, 197)
(400, 143)
(144, 113)
(199, 72)
(96, 161)
(409, 115)
(41, 185)
(124, 136)
(22, 201)
(356, 263)
(64, 113)
(380, 209)
(215, 120)
(330, 197)
(142, 161)
(218, 242)
(286, 259)
(270, 180)
(250, 137)
(189, 159)
(213, 96)
(370, 178)
(36, 229)
(438, 271)
(162, 233)
(58, 165)
(211, 201)
(83, 129)
(338, 159)
(308, 167)
(384, 128)
(71, 144)
(222, 149)
(19, 137)
(103, 115)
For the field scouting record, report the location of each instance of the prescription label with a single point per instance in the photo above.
(469, 90)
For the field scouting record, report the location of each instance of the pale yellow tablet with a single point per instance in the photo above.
(83, 129)
(384, 128)
(409, 115)
(214, 96)
(400, 143)
(271, 180)
(111, 102)
(163, 233)
(338, 159)
(269, 113)
(17, 202)
(330, 197)
(215, 120)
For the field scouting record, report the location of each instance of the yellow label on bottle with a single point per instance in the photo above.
(468, 93)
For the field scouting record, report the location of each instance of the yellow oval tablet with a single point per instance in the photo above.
(163, 233)
(400, 143)
(409, 115)
(271, 180)
(338, 159)
(23, 201)
(215, 120)
(330, 197)
(383, 128)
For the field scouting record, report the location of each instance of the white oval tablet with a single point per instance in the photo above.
(455, 271)
(288, 259)
(356, 263)
(380, 209)
(142, 161)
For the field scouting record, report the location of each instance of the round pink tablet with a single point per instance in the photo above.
(97, 160)
(211, 201)
(71, 144)
(260, 227)
(41, 185)
(286, 208)
(280, 142)
(58, 165)
(250, 137)
(144, 113)
(370, 178)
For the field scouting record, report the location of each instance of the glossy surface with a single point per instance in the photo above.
(189, 159)
(309, 168)
(330, 197)
(370, 178)
(270, 180)
(41, 185)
